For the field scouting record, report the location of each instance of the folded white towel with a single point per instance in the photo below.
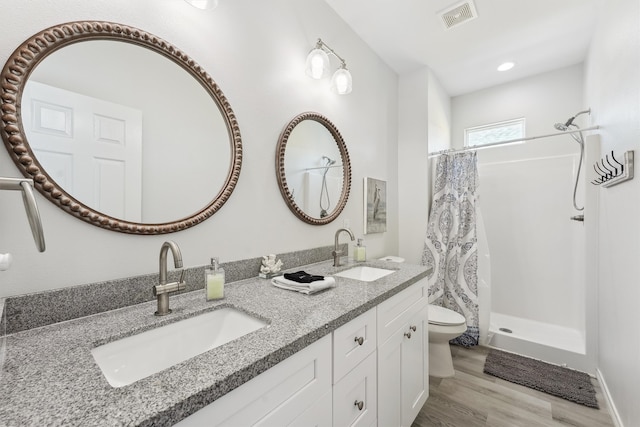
(305, 288)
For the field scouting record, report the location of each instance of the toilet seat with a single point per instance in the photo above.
(444, 317)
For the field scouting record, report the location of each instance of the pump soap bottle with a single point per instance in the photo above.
(214, 277)
(360, 251)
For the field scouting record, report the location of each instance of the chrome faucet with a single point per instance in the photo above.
(336, 252)
(163, 289)
(30, 206)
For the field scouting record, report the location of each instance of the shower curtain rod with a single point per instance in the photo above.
(455, 150)
(323, 167)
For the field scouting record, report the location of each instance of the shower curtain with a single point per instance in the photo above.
(451, 243)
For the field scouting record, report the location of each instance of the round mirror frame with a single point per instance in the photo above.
(14, 78)
(282, 179)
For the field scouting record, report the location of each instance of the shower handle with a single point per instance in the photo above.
(577, 218)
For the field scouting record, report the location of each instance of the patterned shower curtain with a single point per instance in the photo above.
(451, 244)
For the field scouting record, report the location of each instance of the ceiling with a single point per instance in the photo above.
(538, 35)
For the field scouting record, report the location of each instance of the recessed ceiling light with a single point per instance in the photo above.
(506, 66)
(203, 4)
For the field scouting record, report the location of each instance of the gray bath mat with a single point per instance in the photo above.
(551, 379)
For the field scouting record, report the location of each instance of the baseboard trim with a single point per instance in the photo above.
(612, 407)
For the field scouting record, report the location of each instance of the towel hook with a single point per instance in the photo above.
(615, 168)
(610, 174)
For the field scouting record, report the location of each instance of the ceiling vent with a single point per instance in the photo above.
(458, 14)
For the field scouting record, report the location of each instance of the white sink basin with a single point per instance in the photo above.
(130, 359)
(365, 273)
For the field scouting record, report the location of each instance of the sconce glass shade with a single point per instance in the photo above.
(203, 4)
(317, 65)
(341, 82)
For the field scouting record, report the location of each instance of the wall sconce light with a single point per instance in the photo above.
(317, 67)
(203, 4)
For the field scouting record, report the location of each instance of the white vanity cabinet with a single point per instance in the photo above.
(403, 339)
(370, 371)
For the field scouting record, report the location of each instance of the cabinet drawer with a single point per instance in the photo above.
(352, 343)
(354, 396)
(397, 310)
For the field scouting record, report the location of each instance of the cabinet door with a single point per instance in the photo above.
(319, 414)
(390, 381)
(276, 397)
(403, 373)
(415, 366)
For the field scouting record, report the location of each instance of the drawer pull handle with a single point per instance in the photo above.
(407, 334)
(359, 404)
(413, 328)
(359, 340)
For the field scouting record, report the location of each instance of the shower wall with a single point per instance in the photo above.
(536, 250)
(537, 253)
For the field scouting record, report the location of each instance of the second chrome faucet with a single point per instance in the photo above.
(162, 290)
(337, 252)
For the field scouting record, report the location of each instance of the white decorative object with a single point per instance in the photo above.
(270, 266)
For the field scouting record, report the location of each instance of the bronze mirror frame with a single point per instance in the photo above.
(14, 78)
(281, 175)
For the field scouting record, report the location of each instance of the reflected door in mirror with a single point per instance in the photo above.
(92, 148)
(178, 117)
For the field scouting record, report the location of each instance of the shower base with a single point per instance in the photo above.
(544, 341)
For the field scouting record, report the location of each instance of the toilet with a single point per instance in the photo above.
(444, 325)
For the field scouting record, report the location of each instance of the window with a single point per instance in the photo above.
(494, 133)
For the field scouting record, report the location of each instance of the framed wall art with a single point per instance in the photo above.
(375, 206)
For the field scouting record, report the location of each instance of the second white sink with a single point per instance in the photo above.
(130, 359)
(365, 273)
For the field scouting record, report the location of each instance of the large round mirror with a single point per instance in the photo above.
(119, 128)
(313, 168)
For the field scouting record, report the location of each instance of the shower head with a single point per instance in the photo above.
(577, 136)
(328, 160)
(565, 126)
(570, 122)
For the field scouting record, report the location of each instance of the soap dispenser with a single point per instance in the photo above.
(360, 251)
(214, 277)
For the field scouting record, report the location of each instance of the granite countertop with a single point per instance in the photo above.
(50, 377)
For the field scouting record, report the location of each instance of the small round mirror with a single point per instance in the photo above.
(313, 168)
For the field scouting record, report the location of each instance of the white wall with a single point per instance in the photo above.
(255, 51)
(413, 180)
(612, 88)
(425, 123)
(439, 108)
(543, 100)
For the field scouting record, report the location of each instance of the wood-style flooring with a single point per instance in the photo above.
(472, 398)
